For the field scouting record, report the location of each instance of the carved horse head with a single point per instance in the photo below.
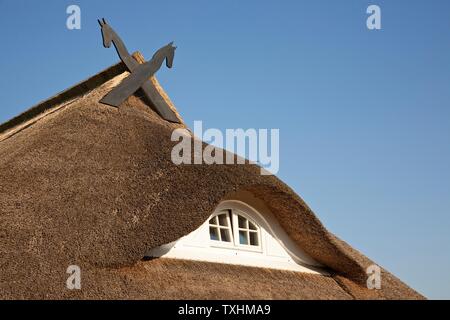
(107, 33)
(167, 52)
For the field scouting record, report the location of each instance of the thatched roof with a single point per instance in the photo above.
(87, 184)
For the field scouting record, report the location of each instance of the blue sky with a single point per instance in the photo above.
(364, 116)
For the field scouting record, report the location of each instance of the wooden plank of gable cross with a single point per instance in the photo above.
(159, 97)
(139, 67)
(165, 99)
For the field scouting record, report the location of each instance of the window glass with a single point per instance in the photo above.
(254, 239)
(225, 235)
(223, 220)
(242, 222)
(243, 238)
(213, 233)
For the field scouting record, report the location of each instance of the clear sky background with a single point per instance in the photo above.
(364, 116)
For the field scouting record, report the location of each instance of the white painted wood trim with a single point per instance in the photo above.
(276, 249)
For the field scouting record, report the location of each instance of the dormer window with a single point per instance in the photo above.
(230, 228)
(237, 233)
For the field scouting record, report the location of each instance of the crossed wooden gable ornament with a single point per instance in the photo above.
(140, 74)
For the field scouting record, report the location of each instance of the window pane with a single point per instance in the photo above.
(243, 237)
(242, 222)
(223, 220)
(213, 233)
(213, 220)
(254, 238)
(225, 235)
(251, 225)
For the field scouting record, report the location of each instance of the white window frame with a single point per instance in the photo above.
(234, 229)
